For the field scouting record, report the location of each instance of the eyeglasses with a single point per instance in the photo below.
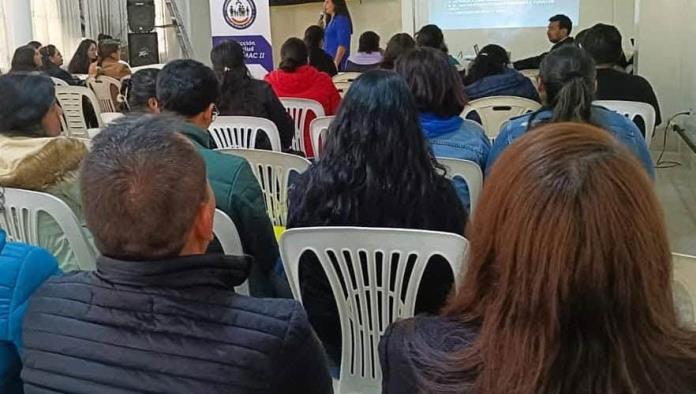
(216, 112)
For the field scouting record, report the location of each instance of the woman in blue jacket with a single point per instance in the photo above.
(567, 83)
(440, 97)
(339, 28)
(23, 269)
(491, 75)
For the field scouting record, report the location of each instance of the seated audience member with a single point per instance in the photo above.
(567, 80)
(490, 75)
(376, 170)
(297, 79)
(22, 270)
(568, 290)
(318, 58)
(102, 37)
(52, 60)
(190, 89)
(26, 59)
(35, 44)
(431, 36)
(369, 55)
(604, 44)
(399, 44)
(109, 61)
(560, 27)
(441, 99)
(84, 56)
(242, 95)
(35, 156)
(139, 92)
(161, 316)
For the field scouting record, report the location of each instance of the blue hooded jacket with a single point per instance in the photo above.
(509, 83)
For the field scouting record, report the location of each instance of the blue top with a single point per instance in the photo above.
(337, 34)
(621, 127)
(456, 138)
(508, 83)
(23, 269)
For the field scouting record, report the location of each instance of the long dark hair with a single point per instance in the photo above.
(568, 78)
(236, 98)
(491, 60)
(570, 287)
(293, 54)
(23, 60)
(25, 100)
(313, 37)
(47, 52)
(80, 62)
(397, 45)
(340, 8)
(376, 168)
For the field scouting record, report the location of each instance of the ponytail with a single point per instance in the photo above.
(573, 103)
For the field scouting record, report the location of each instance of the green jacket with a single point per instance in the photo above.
(238, 194)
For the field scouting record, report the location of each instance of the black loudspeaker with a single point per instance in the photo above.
(143, 49)
(141, 15)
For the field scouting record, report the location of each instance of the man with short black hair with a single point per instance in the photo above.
(605, 44)
(159, 315)
(190, 89)
(558, 32)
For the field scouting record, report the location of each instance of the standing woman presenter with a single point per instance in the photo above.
(339, 28)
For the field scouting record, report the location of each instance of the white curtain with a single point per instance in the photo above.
(5, 46)
(107, 17)
(57, 22)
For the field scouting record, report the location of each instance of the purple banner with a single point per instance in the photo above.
(257, 50)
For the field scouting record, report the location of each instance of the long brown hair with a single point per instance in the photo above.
(569, 281)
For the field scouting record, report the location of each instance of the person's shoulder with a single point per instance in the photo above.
(614, 121)
(281, 317)
(22, 264)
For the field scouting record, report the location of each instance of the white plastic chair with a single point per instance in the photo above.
(346, 77)
(470, 172)
(495, 111)
(342, 88)
(318, 129)
(633, 110)
(59, 82)
(684, 280)
(241, 131)
(158, 66)
(272, 170)
(298, 110)
(111, 117)
(369, 297)
(70, 100)
(533, 76)
(104, 88)
(20, 219)
(226, 232)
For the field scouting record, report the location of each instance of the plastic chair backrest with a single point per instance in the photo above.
(158, 66)
(20, 219)
(59, 82)
(368, 269)
(104, 88)
(70, 100)
(240, 132)
(298, 110)
(684, 280)
(272, 170)
(342, 87)
(226, 232)
(318, 129)
(470, 172)
(633, 111)
(111, 117)
(346, 77)
(494, 111)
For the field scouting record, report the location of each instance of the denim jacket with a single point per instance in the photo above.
(621, 127)
(509, 83)
(457, 139)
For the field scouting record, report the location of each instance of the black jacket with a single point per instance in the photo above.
(56, 72)
(322, 61)
(172, 326)
(616, 85)
(534, 62)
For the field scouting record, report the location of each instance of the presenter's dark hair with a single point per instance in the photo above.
(341, 8)
(139, 89)
(26, 98)
(313, 37)
(604, 43)
(142, 184)
(491, 60)
(399, 44)
(431, 36)
(236, 94)
(568, 77)
(23, 60)
(435, 84)
(80, 62)
(187, 87)
(368, 42)
(370, 153)
(293, 54)
(563, 22)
